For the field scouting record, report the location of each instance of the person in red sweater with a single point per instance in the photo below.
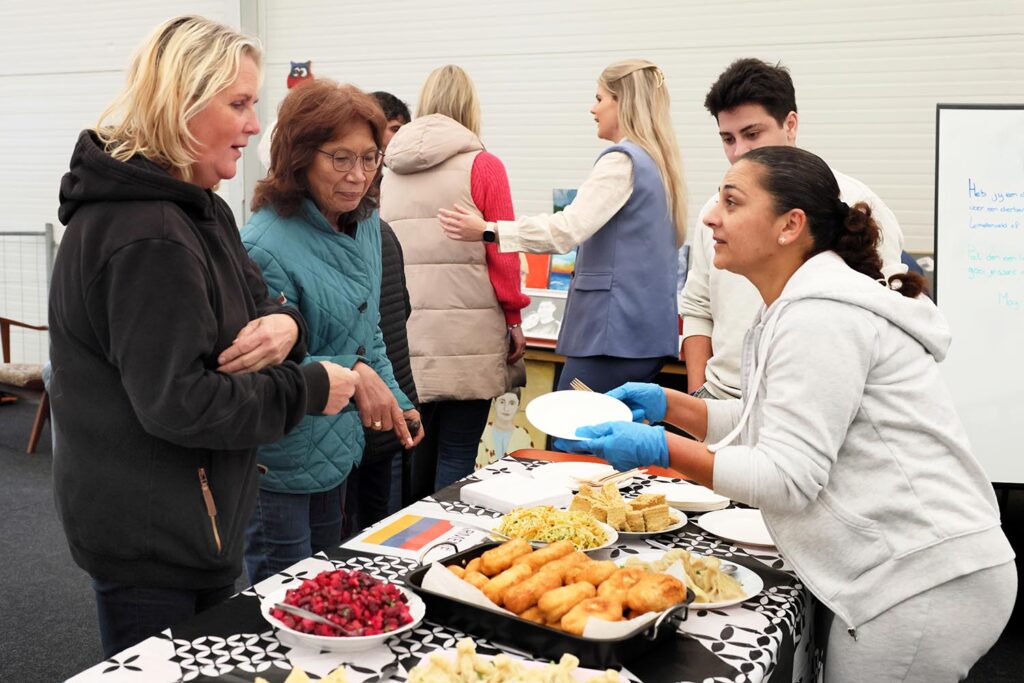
(465, 339)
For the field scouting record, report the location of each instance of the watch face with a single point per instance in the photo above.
(489, 235)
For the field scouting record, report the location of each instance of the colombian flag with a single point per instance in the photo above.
(409, 532)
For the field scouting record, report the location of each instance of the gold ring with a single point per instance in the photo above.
(378, 424)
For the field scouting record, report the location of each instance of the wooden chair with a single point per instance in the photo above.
(24, 380)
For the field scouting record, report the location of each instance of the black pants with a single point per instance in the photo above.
(369, 493)
(449, 448)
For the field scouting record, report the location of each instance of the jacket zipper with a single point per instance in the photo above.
(211, 507)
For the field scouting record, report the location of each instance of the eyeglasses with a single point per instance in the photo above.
(343, 163)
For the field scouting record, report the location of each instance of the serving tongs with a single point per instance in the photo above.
(313, 616)
(614, 477)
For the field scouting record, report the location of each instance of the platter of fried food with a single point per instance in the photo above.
(547, 524)
(712, 587)
(560, 587)
(646, 515)
(464, 665)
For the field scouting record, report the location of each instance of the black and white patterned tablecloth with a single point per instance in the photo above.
(765, 638)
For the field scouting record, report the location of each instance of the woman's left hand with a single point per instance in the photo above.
(516, 345)
(461, 224)
(377, 405)
(415, 425)
(264, 341)
(624, 445)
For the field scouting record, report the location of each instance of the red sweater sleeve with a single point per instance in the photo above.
(492, 195)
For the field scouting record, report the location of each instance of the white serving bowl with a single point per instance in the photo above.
(293, 638)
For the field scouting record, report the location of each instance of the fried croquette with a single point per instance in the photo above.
(496, 587)
(496, 560)
(654, 593)
(525, 594)
(548, 553)
(591, 572)
(533, 614)
(561, 565)
(457, 570)
(555, 603)
(618, 584)
(608, 609)
(473, 565)
(476, 578)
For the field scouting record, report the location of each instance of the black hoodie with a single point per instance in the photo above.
(154, 468)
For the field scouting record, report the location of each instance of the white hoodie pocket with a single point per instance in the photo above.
(838, 546)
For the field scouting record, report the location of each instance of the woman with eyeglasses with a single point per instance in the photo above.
(316, 237)
(465, 339)
(628, 220)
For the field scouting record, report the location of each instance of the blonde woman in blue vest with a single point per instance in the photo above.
(628, 220)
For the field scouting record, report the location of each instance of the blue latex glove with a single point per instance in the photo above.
(647, 401)
(624, 445)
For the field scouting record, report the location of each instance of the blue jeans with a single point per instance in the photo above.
(453, 431)
(288, 527)
(130, 614)
(604, 373)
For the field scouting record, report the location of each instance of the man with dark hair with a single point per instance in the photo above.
(754, 104)
(395, 111)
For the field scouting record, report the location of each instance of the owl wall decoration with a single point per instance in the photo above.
(300, 71)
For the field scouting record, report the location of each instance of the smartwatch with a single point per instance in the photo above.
(489, 234)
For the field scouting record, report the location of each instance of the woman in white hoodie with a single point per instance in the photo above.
(847, 438)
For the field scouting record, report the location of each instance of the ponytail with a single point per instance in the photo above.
(857, 244)
(798, 179)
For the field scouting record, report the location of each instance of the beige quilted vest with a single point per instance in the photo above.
(457, 334)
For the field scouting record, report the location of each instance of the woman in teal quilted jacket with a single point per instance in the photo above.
(316, 236)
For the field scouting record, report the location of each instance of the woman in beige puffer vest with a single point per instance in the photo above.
(465, 342)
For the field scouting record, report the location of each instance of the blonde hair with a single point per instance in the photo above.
(173, 75)
(644, 117)
(449, 90)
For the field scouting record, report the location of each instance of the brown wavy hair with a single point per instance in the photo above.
(311, 115)
(797, 179)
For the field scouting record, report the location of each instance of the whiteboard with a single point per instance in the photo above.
(979, 275)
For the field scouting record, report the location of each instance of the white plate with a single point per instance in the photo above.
(689, 497)
(293, 638)
(740, 525)
(579, 675)
(568, 474)
(750, 582)
(679, 521)
(560, 413)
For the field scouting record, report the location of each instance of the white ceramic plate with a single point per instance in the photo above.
(750, 582)
(739, 525)
(689, 497)
(679, 520)
(561, 412)
(568, 474)
(293, 638)
(579, 675)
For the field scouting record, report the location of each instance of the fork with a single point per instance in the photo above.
(578, 385)
(608, 478)
(306, 614)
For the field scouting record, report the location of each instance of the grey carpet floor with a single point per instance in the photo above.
(48, 618)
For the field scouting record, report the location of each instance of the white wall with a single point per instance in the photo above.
(868, 75)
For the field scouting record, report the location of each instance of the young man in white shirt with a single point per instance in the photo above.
(754, 104)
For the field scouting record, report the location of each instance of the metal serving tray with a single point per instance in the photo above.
(539, 640)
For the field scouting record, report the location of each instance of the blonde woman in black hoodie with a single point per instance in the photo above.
(170, 361)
